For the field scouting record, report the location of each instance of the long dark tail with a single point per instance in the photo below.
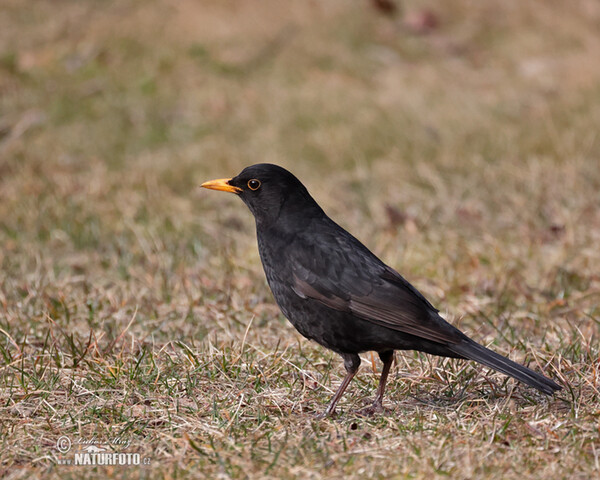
(473, 351)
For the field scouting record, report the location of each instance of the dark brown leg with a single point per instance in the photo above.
(387, 358)
(351, 362)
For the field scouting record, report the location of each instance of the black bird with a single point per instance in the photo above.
(339, 294)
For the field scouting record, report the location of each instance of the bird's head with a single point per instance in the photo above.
(268, 191)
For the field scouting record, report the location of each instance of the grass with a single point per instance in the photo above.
(134, 307)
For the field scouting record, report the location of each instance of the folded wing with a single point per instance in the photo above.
(341, 273)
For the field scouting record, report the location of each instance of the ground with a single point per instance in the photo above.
(458, 140)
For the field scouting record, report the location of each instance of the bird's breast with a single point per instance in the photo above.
(336, 330)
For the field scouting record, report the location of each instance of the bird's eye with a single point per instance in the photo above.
(253, 184)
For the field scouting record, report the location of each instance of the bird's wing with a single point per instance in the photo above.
(337, 270)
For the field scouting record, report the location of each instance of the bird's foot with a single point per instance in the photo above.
(325, 414)
(375, 408)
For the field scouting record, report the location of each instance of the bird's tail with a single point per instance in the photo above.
(473, 351)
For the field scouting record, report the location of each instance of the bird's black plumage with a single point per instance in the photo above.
(335, 291)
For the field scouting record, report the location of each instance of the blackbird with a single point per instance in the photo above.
(335, 291)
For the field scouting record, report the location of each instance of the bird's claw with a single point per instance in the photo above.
(371, 410)
(327, 413)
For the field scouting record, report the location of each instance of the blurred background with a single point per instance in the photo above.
(442, 134)
(459, 140)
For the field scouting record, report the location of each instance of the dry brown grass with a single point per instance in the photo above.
(134, 306)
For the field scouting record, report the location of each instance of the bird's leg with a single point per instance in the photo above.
(351, 363)
(387, 358)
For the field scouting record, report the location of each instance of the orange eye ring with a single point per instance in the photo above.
(254, 184)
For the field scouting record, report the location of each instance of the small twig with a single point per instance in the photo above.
(114, 342)
(11, 340)
(243, 341)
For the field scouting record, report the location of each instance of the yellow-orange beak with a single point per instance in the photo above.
(221, 184)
